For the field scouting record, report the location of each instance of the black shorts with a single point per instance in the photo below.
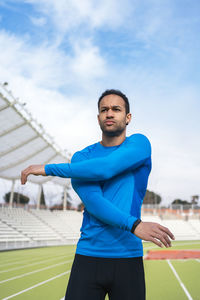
(92, 278)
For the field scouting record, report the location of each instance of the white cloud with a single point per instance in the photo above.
(36, 74)
(47, 65)
(38, 21)
(87, 62)
(72, 13)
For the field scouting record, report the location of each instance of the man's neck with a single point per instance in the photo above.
(109, 141)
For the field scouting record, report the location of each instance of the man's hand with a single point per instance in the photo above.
(155, 233)
(34, 170)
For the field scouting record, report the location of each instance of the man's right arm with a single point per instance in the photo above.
(129, 156)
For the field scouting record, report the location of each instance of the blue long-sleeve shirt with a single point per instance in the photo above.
(111, 182)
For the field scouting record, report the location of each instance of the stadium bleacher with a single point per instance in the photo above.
(22, 228)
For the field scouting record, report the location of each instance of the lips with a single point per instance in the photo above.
(109, 122)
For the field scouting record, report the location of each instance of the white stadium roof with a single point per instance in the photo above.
(24, 142)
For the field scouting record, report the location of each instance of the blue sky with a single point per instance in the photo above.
(59, 56)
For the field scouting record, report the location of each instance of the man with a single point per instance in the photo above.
(111, 178)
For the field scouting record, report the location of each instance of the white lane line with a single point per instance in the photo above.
(22, 259)
(16, 260)
(183, 244)
(26, 256)
(152, 247)
(36, 285)
(33, 264)
(177, 245)
(36, 271)
(156, 247)
(198, 260)
(179, 280)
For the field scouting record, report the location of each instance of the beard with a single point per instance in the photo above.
(117, 131)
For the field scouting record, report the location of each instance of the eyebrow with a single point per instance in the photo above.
(114, 106)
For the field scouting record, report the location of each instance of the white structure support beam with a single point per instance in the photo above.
(39, 196)
(18, 162)
(6, 132)
(18, 146)
(65, 199)
(12, 193)
(4, 107)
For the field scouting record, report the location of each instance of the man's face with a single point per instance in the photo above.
(112, 115)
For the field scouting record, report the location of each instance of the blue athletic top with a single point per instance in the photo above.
(111, 182)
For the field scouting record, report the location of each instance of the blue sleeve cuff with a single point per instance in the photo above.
(47, 170)
(60, 170)
(130, 222)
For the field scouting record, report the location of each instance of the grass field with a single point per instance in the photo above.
(43, 274)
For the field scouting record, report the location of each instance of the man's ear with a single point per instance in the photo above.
(128, 118)
(98, 118)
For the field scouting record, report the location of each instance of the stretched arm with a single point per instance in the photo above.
(97, 205)
(129, 155)
(101, 208)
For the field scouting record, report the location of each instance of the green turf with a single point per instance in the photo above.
(160, 281)
(189, 273)
(46, 263)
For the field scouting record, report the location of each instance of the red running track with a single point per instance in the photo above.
(172, 254)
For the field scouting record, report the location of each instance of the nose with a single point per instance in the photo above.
(109, 113)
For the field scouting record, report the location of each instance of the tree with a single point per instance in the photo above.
(179, 201)
(195, 199)
(152, 198)
(60, 206)
(42, 198)
(17, 198)
(80, 207)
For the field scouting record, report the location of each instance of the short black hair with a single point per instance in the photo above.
(118, 93)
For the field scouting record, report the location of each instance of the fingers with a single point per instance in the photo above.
(154, 232)
(23, 178)
(164, 239)
(165, 229)
(24, 175)
(163, 233)
(34, 170)
(159, 244)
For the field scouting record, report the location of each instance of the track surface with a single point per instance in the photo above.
(44, 273)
